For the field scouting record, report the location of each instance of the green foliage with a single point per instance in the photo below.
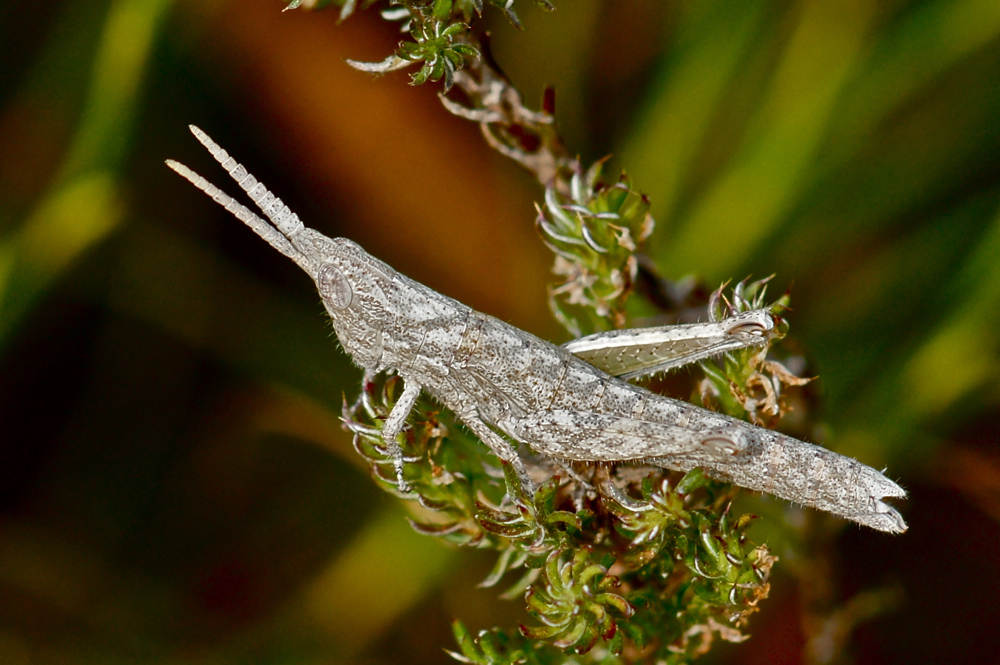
(444, 478)
(665, 572)
(442, 9)
(576, 604)
(492, 647)
(749, 383)
(594, 230)
(435, 45)
(506, 6)
(438, 31)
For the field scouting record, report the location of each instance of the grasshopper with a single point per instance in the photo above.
(564, 402)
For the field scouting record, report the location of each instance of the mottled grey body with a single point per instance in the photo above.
(498, 378)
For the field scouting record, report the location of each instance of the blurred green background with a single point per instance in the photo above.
(174, 482)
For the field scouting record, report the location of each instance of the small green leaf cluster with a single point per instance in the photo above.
(495, 646)
(461, 8)
(437, 43)
(594, 230)
(746, 383)
(576, 603)
(697, 577)
(438, 32)
(446, 480)
(535, 526)
(467, 7)
(506, 7)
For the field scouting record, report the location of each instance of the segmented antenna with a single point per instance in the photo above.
(275, 210)
(270, 234)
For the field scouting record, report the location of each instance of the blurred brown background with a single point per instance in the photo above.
(174, 482)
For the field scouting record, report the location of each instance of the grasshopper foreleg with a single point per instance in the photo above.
(394, 425)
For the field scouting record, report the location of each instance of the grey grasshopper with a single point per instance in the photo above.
(561, 401)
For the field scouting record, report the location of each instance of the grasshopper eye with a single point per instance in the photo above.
(333, 287)
(747, 328)
(757, 322)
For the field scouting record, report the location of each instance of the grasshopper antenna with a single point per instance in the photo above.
(286, 223)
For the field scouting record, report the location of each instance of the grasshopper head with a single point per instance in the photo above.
(351, 282)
